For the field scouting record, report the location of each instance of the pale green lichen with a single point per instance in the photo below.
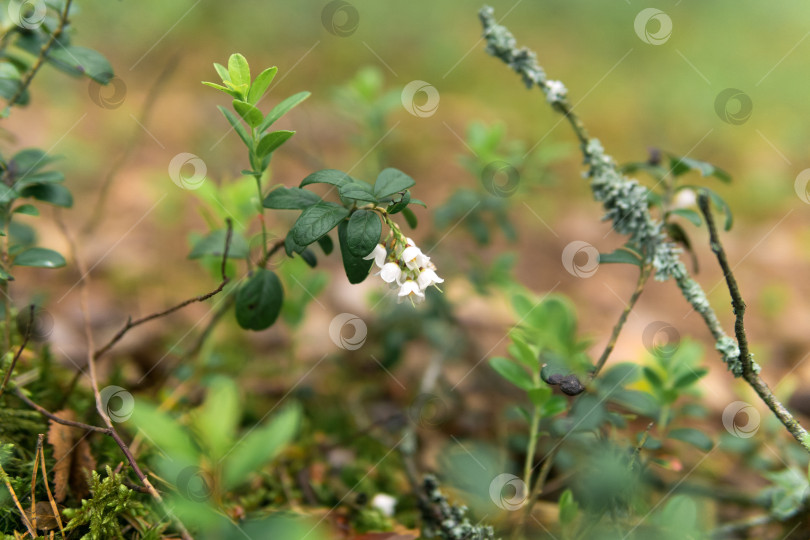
(624, 199)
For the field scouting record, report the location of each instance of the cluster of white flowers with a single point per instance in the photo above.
(404, 266)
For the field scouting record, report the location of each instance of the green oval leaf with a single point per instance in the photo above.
(81, 61)
(238, 69)
(294, 198)
(39, 257)
(391, 181)
(271, 141)
(689, 215)
(251, 114)
(56, 194)
(622, 256)
(327, 176)
(260, 85)
(357, 191)
(692, 436)
(281, 109)
(356, 268)
(258, 300)
(364, 230)
(316, 221)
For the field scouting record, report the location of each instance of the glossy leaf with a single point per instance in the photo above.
(40, 257)
(364, 230)
(294, 198)
(82, 61)
(55, 194)
(356, 268)
(258, 300)
(271, 141)
(317, 220)
(327, 176)
(410, 217)
(391, 181)
(357, 191)
(238, 69)
(326, 244)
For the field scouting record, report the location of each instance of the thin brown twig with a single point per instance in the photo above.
(750, 371)
(49, 415)
(33, 516)
(548, 461)
(51, 500)
(17, 503)
(20, 350)
(43, 53)
(91, 364)
(130, 324)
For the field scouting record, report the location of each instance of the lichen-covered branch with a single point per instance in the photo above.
(749, 368)
(624, 199)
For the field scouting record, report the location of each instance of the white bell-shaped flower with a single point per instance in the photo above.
(379, 253)
(390, 272)
(412, 257)
(410, 290)
(428, 277)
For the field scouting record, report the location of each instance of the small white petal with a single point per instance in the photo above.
(384, 503)
(379, 253)
(390, 272)
(410, 257)
(427, 278)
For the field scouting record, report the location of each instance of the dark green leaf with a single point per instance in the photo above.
(391, 181)
(327, 176)
(512, 372)
(682, 165)
(214, 244)
(55, 194)
(357, 191)
(258, 300)
(692, 436)
(291, 247)
(401, 204)
(271, 141)
(309, 258)
(39, 257)
(364, 232)
(653, 378)
(688, 214)
(317, 220)
(621, 255)
(30, 160)
(237, 125)
(281, 109)
(721, 203)
(251, 114)
(326, 244)
(356, 267)
(81, 61)
(27, 209)
(294, 198)
(46, 177)
(260, 85)
(410, 217)
(656, 171)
